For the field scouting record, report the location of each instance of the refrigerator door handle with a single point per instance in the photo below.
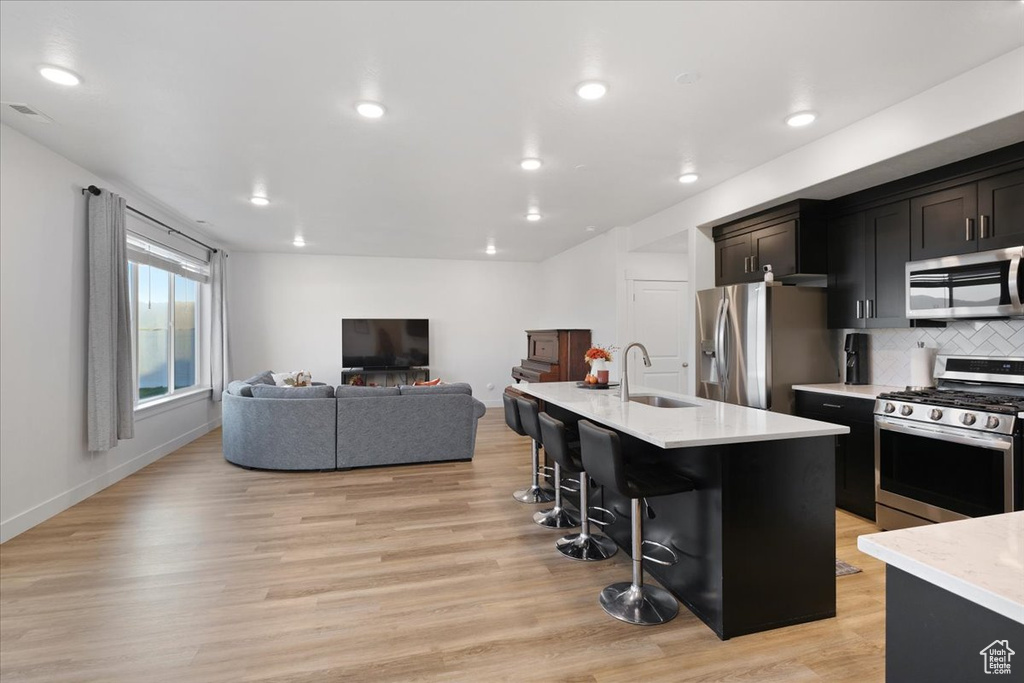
(720, 361)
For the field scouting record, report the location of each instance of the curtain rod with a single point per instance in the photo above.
(93, 190)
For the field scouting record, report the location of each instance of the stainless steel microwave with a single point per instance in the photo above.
(983, 285)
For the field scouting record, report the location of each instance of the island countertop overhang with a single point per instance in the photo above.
(707, 423)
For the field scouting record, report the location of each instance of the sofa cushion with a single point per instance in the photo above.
(240, 388)
(454, 388)
(264, 391)
(266, 377)
(346, 391)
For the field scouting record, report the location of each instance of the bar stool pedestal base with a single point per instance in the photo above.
(534, 494)
(556, 518)
(643, 605)
(586, 548)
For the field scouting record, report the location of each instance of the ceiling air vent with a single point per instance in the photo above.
(28, 112)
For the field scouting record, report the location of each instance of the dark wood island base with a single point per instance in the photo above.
(756, 540)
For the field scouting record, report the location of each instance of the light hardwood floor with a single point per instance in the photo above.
(195, 570)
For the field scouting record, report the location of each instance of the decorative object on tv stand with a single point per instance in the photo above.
(598, 357)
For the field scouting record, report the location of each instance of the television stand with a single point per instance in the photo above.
(386, 378)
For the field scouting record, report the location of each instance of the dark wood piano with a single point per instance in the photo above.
(554, 356)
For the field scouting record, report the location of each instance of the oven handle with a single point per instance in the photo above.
(998, 442)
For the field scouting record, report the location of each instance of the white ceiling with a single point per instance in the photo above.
(201, 105)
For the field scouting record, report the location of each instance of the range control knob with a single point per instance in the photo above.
(890, 408)
(906, 410)
(992, 422)
(936, 414)
(968, 419)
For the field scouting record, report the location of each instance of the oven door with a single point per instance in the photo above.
(943, 474)
(985, 285)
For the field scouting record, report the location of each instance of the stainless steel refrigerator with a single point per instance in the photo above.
(758, 340)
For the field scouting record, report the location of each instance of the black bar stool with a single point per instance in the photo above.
(557, 446)
(632, 602)
(534, 494)
(584, 545)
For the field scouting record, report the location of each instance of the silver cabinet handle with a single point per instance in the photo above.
(860, 309)
(831, 405)
(985, 227)
(746, 264)
(870, 306)
(753, 264)
(968, 229)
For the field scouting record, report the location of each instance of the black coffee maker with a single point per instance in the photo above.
(856, 358)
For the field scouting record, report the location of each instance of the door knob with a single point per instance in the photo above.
(686, 365)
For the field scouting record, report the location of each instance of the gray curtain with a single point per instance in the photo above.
(220, 370)
(110, 404)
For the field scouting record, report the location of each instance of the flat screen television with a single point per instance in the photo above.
(385, 343)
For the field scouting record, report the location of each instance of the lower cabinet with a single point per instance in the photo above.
(855, 452)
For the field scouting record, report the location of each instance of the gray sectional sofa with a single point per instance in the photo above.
(323, 428)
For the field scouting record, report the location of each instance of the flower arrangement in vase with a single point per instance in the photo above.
(598, 357)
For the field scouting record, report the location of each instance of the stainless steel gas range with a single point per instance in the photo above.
(954, 451)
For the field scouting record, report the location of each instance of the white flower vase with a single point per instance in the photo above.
(599, 368)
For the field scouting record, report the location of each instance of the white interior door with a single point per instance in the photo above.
(657, 311)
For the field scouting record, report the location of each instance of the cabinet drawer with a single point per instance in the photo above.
(832, 408)
(525, 374)
(544, 347)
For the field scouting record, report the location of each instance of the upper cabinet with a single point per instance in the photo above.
(988, 214)
(790, 238)
(1001, 211)
(867, 255)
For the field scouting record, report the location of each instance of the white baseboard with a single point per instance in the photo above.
(493, 403)
(40, 513)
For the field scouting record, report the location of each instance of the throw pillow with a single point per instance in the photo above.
(299, 378)
(264, 391)
(431, 383)
(265, 377)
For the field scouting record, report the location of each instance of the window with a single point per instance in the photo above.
(165, 289)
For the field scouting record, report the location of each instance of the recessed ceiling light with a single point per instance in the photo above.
(59, 75)
(530, 164)
(533, 216)
(490, 250)
(591, 90)
(370, 110)
(590, 228)
(688, 178)
(259, 201)
(299, 242)
(801, 118)
(687, 78)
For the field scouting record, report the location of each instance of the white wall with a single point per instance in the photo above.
(45, 466)
(286, 312)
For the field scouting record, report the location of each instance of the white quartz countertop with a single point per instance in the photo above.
(979, 559)
(857, 391)
(707, 423)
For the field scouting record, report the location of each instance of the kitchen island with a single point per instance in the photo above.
(954, 598)
(756, 539)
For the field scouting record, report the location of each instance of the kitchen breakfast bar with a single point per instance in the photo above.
(756, 538)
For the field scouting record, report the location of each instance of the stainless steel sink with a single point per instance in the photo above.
(662, 402)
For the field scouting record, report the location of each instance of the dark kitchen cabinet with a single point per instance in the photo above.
(732, 260)
(855, 452)
(988, 214)
(943, 223)
(790, 238)
(867, 255)
(1001, 211)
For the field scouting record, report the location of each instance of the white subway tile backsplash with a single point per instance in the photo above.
(889, 353)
